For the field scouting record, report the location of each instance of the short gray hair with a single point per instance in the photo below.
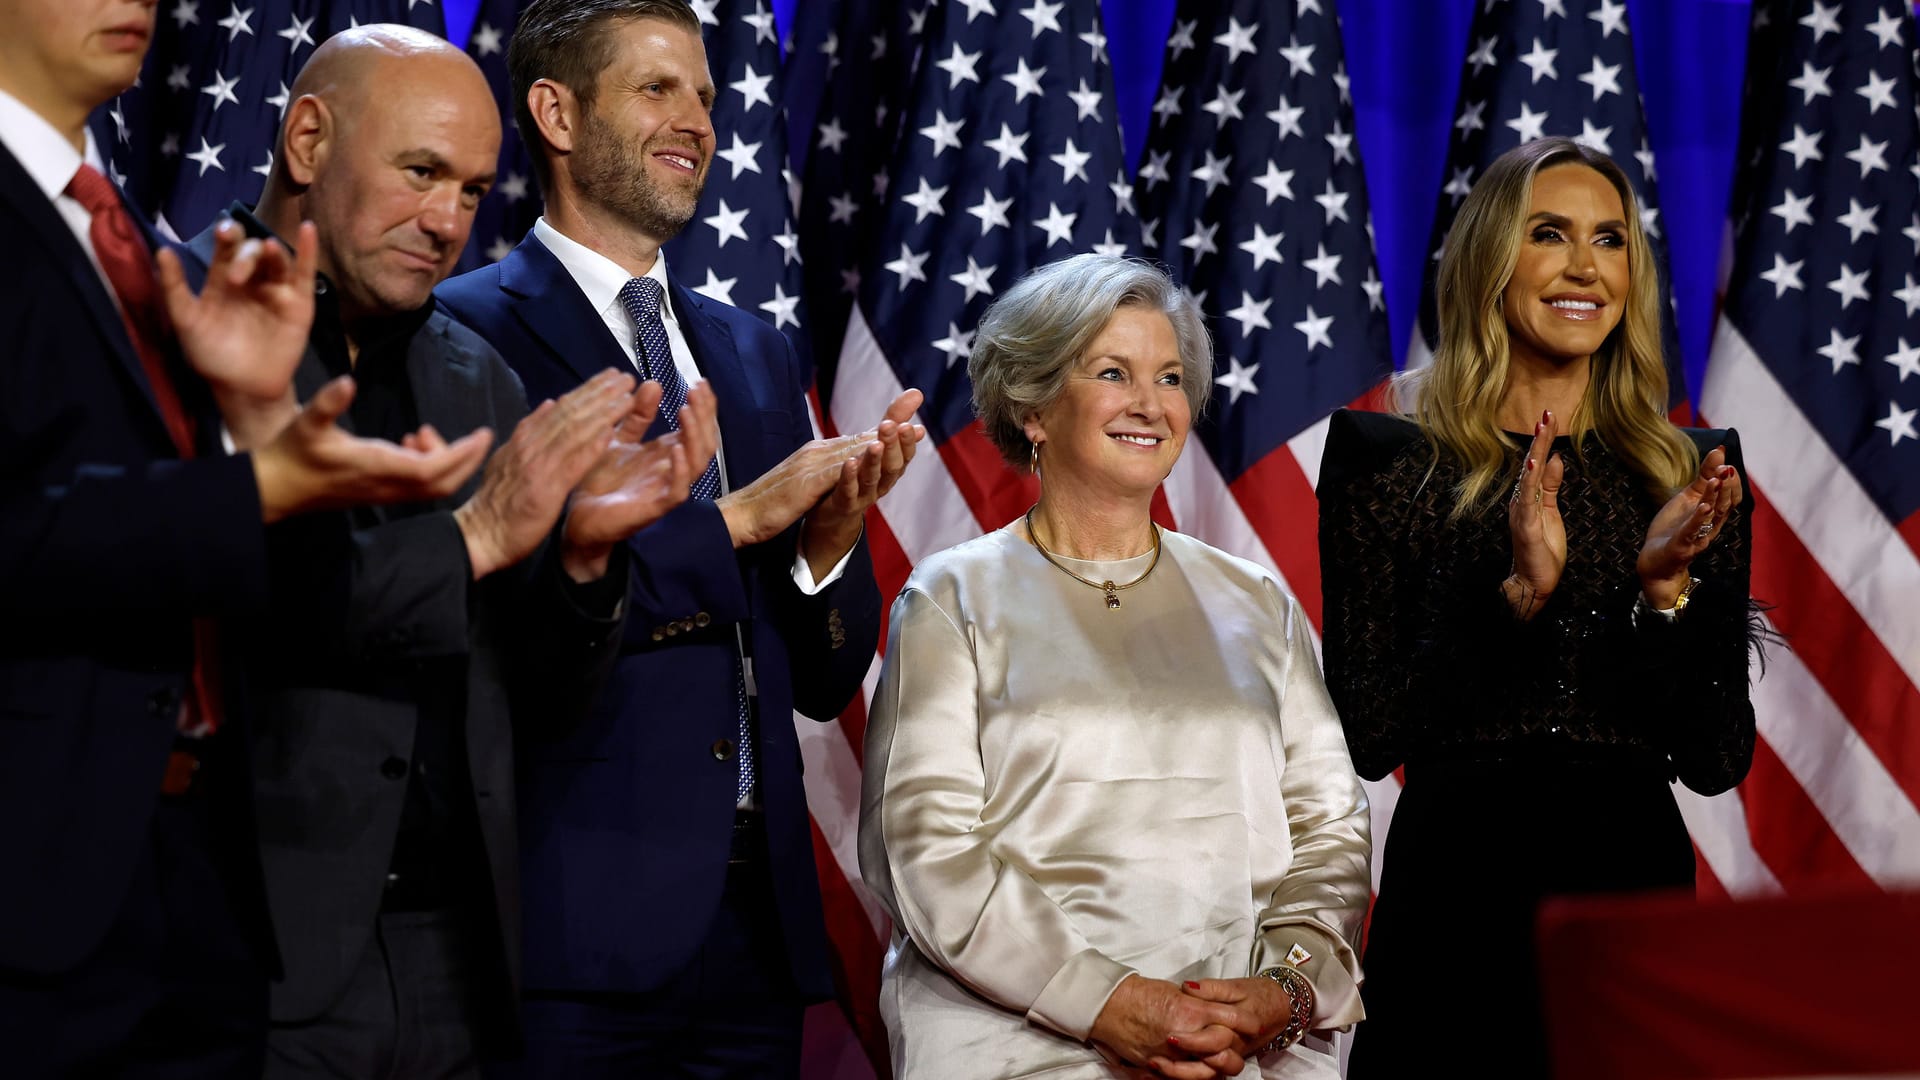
(1030, 338)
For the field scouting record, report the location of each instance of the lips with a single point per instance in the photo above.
(687, 161)
(1131, 439)
(1578, 308)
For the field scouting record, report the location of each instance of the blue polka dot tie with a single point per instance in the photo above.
(642, 297)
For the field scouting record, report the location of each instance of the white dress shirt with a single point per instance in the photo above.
(51, 162)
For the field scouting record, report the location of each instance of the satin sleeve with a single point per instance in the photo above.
(923, 850)
(1321, 903)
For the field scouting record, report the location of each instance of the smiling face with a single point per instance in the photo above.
(646, 141)
(64, 57)
(1120, 422)
(1569, 284)
(395, 193)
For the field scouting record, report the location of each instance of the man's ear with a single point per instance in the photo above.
(307, 138)
(556, 112)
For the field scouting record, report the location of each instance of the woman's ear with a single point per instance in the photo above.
(1036, 432)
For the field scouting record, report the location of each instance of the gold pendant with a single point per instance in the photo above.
(1113, 595)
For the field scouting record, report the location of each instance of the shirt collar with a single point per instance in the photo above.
(42, 151)
(599, 277)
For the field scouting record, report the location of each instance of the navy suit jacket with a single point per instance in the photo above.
(110, 544)
(626, 821)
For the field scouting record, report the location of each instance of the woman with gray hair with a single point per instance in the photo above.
(1107, 801)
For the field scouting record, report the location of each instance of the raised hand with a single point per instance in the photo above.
(1539, 534)
(791, 489)
(834, 525)
(1685, 527)
(313, 464)
(637, 480)
(527, 482)
(1141, 1016)
(246, 331)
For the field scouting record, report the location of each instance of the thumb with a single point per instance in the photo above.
(1551, 476)
(326, 406)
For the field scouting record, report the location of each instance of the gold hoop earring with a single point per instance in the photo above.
(1033, 458)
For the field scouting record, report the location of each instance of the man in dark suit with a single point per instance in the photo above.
(132, 937)
(673, 920)
(392, 664)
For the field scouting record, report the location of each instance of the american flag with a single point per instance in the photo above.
(1810, 360)
(197, 131)
(741, 247)
(1008, 155)
(1252, 191)
(513, 204)
(856, 58)
(1548, 67)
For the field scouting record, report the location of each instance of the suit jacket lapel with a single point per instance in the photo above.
(448, 391)
(554, 310)
(73, 264)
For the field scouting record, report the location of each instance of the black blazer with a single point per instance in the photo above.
(373, 592)
(110, 544)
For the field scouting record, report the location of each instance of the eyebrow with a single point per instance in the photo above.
(1563, 221)
(420, 155)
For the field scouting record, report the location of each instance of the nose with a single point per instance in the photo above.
(695, 119)
(441, 215)
(1148, 403)
(1580, 262)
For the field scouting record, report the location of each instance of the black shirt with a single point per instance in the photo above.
(437, 857)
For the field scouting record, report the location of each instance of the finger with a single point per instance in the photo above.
(427, 439)
(645, 404)
(1220, 990)
(326, 406)
(1710, 465)
(1207, 1040)
(1181, 1070)
(245, 258)
(457, 461)
(905, 406)
(1226, 1063)
(175, 296)
(1729, 493)
(1550, 478)
(306, 257)
(1542, 437)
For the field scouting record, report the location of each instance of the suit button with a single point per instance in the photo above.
(393, 768)
(164, 702)
(658, 634)
(722, 749)
(702, 619)
(671, 629)
(686, 626)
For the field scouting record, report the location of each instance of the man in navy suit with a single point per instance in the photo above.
(672, 913)
(132, 934)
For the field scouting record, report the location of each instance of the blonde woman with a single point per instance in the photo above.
(1106, 799)
(1536, 601)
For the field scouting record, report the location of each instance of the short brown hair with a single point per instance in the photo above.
(565, 40)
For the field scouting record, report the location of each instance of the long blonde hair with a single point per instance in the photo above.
(1456, 399)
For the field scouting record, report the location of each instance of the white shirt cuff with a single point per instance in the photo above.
(803, 573)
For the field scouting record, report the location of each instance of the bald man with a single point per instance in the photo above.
(414, 638)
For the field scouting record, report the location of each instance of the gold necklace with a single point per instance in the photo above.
(1112, 590)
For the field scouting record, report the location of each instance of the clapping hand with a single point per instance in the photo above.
(1685, 527)
(637, 480)
(1539, 534)
(247, 329)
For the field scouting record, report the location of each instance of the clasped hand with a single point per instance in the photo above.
(1685, 527)
(1194, 1030)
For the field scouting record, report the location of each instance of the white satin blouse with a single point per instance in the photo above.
(1058, 794)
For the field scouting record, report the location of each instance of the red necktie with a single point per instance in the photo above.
(123, 254)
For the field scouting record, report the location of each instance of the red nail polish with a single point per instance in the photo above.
(1173, 1040)
(1191, 985)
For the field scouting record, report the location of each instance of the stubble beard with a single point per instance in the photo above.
(614, 174)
